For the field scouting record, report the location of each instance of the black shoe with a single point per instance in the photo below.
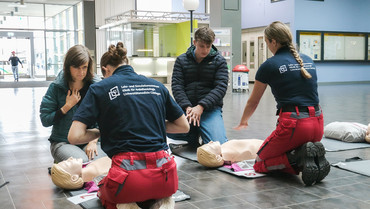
(176, 146)
(321, 162)
(310, 170)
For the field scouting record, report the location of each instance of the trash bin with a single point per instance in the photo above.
(240, 78)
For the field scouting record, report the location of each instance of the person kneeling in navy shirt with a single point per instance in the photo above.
(134, 113)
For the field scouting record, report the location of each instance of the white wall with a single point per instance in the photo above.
(158, 5)
(109, 8)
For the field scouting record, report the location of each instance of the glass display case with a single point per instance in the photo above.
(223, 43)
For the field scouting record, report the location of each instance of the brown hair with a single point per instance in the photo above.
(205, 35)
(76, 56)
(282, 34)
(116, 55)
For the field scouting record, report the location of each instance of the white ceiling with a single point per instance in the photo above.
(34, 8)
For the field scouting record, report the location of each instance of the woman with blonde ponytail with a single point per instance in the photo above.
(295, 145)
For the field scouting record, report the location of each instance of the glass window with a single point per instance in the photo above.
(56, 17)
(56, 47)
(39, 54)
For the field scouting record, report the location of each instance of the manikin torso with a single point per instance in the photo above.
(239, 150)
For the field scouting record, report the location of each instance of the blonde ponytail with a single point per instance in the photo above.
(282, 34)
(304, 72)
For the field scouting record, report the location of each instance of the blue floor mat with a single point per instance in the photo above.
(333, 145)
(358, 166)
(96, 204)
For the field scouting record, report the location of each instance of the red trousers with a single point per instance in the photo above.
(137, 177)
(293, 130)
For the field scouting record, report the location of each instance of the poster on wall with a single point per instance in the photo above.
(333, 46)
(354, 47)
(310, 44)
(339, 46)
(368, 48)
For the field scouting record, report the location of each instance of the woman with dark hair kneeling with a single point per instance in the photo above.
(133, 113)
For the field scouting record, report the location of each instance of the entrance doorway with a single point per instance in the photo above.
(22, 48)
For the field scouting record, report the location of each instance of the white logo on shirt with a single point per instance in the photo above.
(283, 69)
(114, 93)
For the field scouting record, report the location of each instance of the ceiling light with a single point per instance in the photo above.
(20, 4)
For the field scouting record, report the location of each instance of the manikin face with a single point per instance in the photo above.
(79, 73)
(213, 147)
(72, 166)
(201, 49)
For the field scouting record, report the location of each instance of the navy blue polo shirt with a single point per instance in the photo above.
(130, 110)
(14, 61)
(282, 73)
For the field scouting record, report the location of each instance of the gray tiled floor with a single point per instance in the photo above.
(24, 158)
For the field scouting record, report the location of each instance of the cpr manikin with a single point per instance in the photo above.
(348, 131)
(215, 155)
(70, 174)
(367, 138)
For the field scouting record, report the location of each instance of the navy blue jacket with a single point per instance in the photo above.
(54, 99)
(131, 111)
(203, 83)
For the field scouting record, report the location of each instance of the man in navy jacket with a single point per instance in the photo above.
(199, 84)
(14, 62)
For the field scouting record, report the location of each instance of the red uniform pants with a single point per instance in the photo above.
(137, 177)
(293, 130)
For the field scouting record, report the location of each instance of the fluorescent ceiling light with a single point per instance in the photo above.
(144, 50)
(16, 5)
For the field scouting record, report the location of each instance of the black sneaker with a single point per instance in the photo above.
(175, 146)
(321, 162)
(310, 170)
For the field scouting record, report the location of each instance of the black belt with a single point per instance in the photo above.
(293, 109)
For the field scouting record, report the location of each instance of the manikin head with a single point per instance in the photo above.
(67, 174)
(367, 137)
(215, 155)
(209, 154)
